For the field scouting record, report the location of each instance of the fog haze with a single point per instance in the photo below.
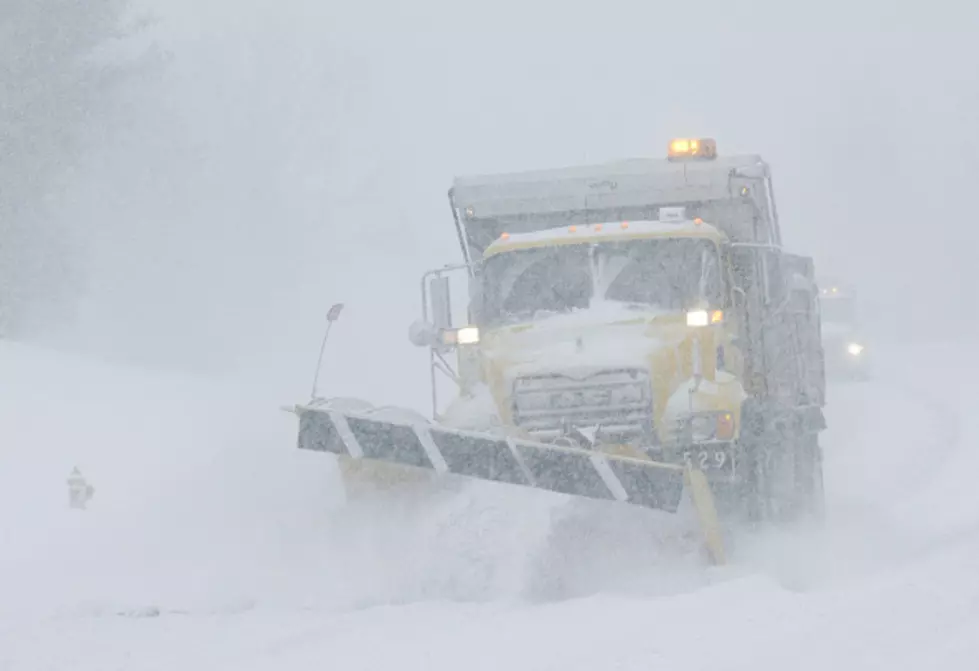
(295, 155)
(186, 187)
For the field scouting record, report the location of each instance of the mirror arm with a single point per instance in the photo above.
(446, 369)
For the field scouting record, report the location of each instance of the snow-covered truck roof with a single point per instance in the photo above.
(604, 232)
(638, 181)
(630, 189)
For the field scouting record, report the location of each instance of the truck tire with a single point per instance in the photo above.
(756, 484)
(783, 466)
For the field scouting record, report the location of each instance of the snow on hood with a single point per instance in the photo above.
(606, 335)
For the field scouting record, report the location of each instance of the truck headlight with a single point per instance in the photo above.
(467, 335)
(854, 349)
(699, 318)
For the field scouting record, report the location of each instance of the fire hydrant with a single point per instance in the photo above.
(79, 491)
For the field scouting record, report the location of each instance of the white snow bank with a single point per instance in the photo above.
(210, 544)
(204, 503)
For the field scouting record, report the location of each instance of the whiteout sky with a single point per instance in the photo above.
(298, 153)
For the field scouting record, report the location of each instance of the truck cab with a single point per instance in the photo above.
(613, 335)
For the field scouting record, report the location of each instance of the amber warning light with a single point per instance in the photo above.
(692, 148)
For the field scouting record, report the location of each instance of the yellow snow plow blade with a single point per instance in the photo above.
(376, 453)
(703, 503)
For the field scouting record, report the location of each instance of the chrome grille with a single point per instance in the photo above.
(619, 401)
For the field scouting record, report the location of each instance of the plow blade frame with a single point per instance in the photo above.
(565, 470)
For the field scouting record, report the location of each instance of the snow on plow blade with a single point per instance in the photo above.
(565, 470)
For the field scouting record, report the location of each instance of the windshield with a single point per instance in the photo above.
(665, 274)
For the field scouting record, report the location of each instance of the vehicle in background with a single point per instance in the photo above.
(844, 344)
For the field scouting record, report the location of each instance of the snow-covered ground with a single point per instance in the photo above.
(212, 542)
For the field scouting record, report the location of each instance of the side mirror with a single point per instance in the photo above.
(441, 302)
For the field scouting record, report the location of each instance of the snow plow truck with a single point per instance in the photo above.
(632, 331)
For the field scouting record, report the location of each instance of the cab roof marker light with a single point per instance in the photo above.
(680, 148)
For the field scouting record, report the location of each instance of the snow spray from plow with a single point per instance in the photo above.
(505, 460)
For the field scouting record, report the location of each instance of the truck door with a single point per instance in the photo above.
(749, 304)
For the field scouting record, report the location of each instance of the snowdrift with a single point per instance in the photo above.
(212, 541)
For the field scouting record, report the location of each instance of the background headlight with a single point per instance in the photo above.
(854, 349)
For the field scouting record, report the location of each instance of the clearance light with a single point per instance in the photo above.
(725, 426)
(688, 148)
(504, 236)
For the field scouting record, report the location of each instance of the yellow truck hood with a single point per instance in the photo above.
(579, 344)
